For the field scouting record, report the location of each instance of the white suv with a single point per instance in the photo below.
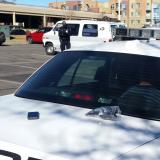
(83, 32)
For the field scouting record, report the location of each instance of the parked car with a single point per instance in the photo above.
(36, 37)
(72, 106)
(2, 38)
(83, 32)
(17, 32)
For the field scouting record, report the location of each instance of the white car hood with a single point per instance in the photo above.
(67, 132)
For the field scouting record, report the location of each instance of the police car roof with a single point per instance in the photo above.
(151, 48)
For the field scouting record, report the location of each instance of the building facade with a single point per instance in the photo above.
(131, 12)
(156, 12)
(136, 13)
(82, 5)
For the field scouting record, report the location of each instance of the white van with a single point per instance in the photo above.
(83, 32)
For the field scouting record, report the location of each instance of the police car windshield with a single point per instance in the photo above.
(92, 79)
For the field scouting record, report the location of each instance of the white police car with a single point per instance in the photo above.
(74, 107)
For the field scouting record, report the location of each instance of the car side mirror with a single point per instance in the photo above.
(106, 113)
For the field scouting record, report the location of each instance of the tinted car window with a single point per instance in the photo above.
(90, 30)
(95, 79)
(47, 29)
(114, 26)
(74, 29)
(41, 30)
(56, 28)
(18, 32)
(44, 30)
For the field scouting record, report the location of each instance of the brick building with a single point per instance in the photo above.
(81, 5)
(156, 12)
(136, 13)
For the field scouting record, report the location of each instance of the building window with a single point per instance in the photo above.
(117, 5)
(123, 6)
(135, 5)
(74, 29)
(132, 5)
(138, 21)
(131, 13)
(138, 5)
(138, 14)
(135, 14)
(135, 22)
(148, 20)
(124, 13)
(112, 7)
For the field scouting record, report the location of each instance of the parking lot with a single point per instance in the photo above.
(17, 62)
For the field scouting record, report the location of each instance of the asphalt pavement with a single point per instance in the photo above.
(17, 63)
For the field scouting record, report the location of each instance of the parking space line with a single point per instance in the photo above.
(14, 82)
(23, 66)
(5, 89)
(22, 62)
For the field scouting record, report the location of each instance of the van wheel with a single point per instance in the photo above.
(49, 49)
(30, 40)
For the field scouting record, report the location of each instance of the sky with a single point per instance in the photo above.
(39, 2)
(35, 2)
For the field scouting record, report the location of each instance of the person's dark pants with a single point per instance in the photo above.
(65, 45)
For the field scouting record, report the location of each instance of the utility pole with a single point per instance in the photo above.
(128, 14)
(119, 10)
(152, 14)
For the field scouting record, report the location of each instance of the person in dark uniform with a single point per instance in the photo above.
(64, 37)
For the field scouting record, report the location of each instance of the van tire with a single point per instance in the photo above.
(49, 48)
